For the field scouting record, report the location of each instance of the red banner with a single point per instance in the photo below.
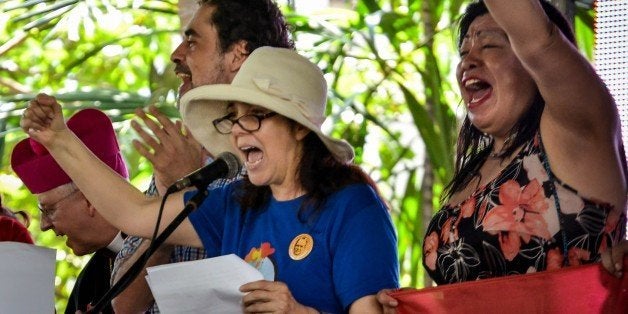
(578, 289)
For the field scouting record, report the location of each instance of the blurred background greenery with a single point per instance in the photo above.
(389, 65)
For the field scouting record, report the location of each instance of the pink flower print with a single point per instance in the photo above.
(447, 234)
(467, 208)
(603, 246)
(570, 202)
(481, 212)
(509, 242)
(521, 213)
(554, 259)
(534, 168)
(578, 256)
(429, 250)
(611, 221)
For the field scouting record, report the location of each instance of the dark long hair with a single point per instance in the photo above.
(258, 22)
(473, 146)
(320, 175)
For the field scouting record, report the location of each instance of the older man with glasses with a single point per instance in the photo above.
(66, 211)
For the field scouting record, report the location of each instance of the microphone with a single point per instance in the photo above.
(225, 166)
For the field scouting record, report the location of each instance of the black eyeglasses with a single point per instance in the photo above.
(249, 122)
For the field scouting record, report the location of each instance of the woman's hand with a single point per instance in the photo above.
(42, 119)
(613, 258)
(388, 303)
(270, 297)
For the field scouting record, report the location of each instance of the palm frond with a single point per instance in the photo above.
(63, 6)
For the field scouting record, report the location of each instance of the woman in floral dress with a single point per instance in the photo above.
(540, 179)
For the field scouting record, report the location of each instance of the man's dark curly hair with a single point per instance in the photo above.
(258, 22)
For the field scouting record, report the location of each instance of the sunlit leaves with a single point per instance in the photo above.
(87, 53)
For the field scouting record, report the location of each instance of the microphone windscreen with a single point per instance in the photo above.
(233, 164)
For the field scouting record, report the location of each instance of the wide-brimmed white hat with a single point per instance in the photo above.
(277, 79)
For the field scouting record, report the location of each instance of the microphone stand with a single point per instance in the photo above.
(137, 267)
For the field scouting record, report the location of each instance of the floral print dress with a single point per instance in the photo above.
(512, 226)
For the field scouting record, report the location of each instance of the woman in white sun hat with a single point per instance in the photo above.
(309, 220)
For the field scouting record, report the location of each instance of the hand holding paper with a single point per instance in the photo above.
(208, 286)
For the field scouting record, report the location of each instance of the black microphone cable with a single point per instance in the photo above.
(138, 266)
(233, 168)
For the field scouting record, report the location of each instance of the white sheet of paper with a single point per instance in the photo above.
(204, 286)
(27, 278)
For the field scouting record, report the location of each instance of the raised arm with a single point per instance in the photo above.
(575, 96)
(115, 199)
(580, 124)
(172, 149)
(173, 153)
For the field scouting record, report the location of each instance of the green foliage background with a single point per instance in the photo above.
(389, 64)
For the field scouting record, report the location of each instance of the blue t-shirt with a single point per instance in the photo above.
(348, 251)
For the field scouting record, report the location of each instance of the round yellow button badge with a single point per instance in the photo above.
(301, 246)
